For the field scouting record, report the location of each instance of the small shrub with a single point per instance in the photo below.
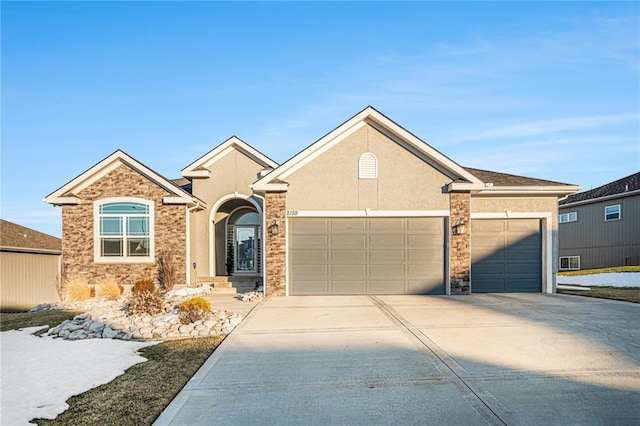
(143, 285)
(166, 271)
(193, 310)
(77, 289)
(145, 303)
(109, 288)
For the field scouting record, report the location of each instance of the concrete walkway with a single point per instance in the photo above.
(481, 359)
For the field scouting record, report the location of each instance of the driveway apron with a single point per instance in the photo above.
(481, 359)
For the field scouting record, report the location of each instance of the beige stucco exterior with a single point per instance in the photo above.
(330, 181)
(229, 180)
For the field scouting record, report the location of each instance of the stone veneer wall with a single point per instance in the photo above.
(275, 245)
(460, 253)
(78, 229)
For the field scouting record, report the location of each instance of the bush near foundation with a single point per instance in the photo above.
(193, 310)
(166, 271)
(145, 299)
(145, 284)
(77, 289)
(110, 289)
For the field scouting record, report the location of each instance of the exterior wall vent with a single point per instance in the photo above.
(368, 166)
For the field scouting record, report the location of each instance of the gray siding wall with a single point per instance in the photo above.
(27, 279)
(602, 244)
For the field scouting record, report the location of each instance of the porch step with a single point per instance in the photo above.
(230, 279)
(223, 291)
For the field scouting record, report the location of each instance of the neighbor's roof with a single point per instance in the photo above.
(20, 238)
(621, 186)
(504, 179)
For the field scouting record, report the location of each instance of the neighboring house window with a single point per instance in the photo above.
(612, 213)
(368, 166)
(124, 230)
(570, 262)
(568, 217)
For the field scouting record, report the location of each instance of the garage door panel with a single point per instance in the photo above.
(386, 241)
(424, 226)
(385, 271)
(506, 255)
(316, 271)
(310, 287)
(348, 287)
(349, 225)
(427, 271)
(310, 241)
(434, 256)
(386, 287)
(348, 271)
(386, 226)
(348, 256)
(387, 256)
(367, 255)
(309, 226)
(309, 256)
(425, 286)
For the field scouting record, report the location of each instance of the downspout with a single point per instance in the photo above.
(263, 245)
(190, 210)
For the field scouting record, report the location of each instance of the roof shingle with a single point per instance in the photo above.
(626, 184)
(504, 179)
(16, 236)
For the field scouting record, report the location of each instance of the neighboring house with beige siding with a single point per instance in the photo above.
(600, 228)
(367, 209)
(29, 267)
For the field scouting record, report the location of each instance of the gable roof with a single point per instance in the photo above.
(14, 237)
(67, 194)
(199, 168)
(462, 178)
(368, 116)
(628, 185)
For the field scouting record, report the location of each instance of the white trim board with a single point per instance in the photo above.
(367, 213)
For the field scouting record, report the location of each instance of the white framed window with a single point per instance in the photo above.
(123, 230)
(568, 217)
(612, 213)
(569, 262)
(367, 166)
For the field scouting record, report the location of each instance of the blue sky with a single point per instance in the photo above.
(548, 90)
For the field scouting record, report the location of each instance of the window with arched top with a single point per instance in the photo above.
(123, 230)
(368, 166)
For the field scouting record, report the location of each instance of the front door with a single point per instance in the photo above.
(245, 249)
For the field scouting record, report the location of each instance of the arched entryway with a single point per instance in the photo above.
(237, 238)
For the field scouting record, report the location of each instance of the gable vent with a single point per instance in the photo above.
(368, 166)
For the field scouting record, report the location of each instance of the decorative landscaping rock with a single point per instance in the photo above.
(104, 319)
(253, 296)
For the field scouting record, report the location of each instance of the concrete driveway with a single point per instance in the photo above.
(482, 359)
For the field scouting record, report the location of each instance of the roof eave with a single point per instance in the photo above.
(599, 199)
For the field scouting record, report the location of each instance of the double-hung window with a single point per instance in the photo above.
(612, 213)
(124, 230)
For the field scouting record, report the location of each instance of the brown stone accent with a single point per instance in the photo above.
(459, 252)
(275, 256)
(78, 229)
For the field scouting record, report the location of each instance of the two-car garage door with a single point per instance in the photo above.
(366, 255)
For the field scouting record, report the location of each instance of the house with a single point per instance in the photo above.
(600, 228)
(368, 208)
(29, 267)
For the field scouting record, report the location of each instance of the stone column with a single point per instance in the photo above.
(459, 251)
(275, 245)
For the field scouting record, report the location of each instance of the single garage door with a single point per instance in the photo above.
(366, 256)
(506, 256)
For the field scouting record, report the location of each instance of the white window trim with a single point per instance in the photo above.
(568, 257)
(97, 258)
(567, 217)
(619, 206)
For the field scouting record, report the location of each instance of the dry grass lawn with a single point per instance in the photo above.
(139, 395)
(627, 294)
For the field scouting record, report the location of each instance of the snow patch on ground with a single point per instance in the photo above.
(40, 373)
(611, 279)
